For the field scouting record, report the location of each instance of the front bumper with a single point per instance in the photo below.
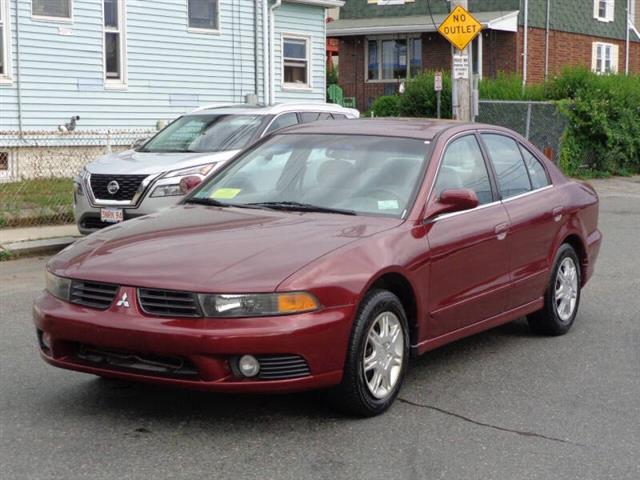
(209, 345)
(87, 216)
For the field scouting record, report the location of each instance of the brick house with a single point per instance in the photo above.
(385, 42)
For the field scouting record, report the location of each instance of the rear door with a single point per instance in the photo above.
(534, 209)
(469, 261)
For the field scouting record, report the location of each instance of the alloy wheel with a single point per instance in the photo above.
(383, 355)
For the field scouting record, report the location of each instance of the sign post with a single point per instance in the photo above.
(460, 28)
(437, 86)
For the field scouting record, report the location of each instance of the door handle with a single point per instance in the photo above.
(557, 213)
(501, 231)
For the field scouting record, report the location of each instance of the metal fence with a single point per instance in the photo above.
(540, 122)
(37, 170)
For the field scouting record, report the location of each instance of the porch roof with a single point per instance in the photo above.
(506, 21)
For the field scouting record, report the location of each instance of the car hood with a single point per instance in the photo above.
(141, 163)
(211, 249)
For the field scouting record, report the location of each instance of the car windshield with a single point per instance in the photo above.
(205, 133)
(351, 174)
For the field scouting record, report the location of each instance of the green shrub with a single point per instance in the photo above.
(509, 87)
(385, 106)
(419, 98)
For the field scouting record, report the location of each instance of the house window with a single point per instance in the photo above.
(603, 10)
(58, 9)
(114, 42)
(295, 61)
(605, 58)
(391, 59)
(203, 14)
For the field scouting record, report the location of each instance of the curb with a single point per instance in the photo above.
(35, 247)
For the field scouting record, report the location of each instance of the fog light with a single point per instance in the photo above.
(46, 340)
(249, 365)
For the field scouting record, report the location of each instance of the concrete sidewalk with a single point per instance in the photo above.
(35, 240)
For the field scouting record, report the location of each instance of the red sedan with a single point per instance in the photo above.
(324, 256)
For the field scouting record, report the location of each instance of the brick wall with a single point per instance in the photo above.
(570, 49)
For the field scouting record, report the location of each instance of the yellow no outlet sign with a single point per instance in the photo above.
(460, 28)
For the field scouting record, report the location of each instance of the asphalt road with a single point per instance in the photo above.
(501, 405)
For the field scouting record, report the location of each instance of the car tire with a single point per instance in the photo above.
(562, 298)
(370, 362)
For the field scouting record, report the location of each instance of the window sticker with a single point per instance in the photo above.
(388, 205)
(226, 193)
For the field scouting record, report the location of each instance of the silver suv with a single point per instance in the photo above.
(156, 175)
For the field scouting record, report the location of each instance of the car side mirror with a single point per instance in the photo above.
(454, 200)
(189, 183)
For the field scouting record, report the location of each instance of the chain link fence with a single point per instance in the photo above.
(541, 123)
(37, 170)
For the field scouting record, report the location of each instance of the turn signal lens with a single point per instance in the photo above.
(296, 302)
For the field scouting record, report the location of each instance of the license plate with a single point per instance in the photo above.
(111, 215)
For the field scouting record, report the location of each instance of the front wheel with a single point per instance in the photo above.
(377, 357)
(562, 297)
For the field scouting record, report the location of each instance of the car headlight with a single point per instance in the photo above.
(199, 170)
(170, 188)
(59, 287)
(258, 304)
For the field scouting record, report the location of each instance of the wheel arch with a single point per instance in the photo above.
(398, 284)
(578, 244)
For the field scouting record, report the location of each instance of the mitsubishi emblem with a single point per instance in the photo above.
(124, 301)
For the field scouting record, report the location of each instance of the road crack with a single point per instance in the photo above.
(523, 433)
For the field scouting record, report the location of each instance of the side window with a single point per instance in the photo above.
(326, 116)
(511, 172)
(339, 116)
(285, 120)
(537, 173)
(463, 167)
(308, 117)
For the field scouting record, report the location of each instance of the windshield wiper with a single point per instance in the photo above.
(207, 201)
(302, 207)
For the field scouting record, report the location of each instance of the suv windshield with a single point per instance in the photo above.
(205, 133)
(351, 174)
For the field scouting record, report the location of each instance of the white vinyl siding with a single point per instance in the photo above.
(604, 58)
(115, 43)
(604, 10)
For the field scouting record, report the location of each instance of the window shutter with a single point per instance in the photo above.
(611, 5)
(596, 8)
(615, 50)
(594, 57)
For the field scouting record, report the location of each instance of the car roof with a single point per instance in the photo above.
(423, 129)
(245, 109)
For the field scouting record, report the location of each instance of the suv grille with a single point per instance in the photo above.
(93, 295)
(168, 303)
(279, 367)
(128, 186)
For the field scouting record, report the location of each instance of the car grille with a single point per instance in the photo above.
(140, 362)
(93, 223)
(168, 303)
(128, 184)
(281, 367)
(93, 295)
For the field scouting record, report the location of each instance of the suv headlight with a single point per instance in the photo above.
(59, 287)
(258, 304)
(168, 187)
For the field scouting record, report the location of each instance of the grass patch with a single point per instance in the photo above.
(36, 202)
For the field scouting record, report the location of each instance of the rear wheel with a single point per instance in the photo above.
(377, 358)
(562, 297)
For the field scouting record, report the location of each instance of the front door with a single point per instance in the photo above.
(469, 275)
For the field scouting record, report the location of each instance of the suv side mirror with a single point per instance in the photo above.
(454, 200)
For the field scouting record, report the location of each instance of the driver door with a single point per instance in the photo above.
(469, 274)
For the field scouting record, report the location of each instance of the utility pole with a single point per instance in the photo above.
(461, 83)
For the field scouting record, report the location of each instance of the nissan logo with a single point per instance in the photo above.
(113, 187)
